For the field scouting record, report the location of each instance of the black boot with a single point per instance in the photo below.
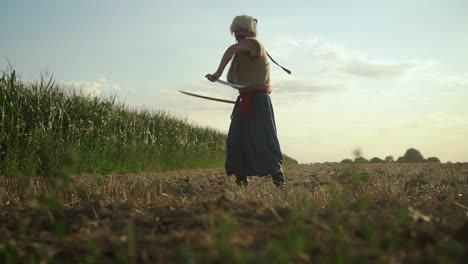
(279, 180)
(242, 181)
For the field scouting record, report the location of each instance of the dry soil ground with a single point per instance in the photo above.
(374, 213)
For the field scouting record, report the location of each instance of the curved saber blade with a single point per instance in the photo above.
(233, 85)
(208, 98)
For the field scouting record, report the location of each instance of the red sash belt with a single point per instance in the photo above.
(245, 102)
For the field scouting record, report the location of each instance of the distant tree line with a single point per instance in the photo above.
(411, 155)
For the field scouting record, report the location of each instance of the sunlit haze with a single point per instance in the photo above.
(382, 76)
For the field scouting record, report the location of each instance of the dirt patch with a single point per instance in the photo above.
(384, 213)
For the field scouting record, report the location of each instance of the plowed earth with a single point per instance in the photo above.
(374, 213)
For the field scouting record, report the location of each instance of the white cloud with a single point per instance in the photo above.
(355, 63)
(339, 59)
(88, 88)
(170, 99)
(458, 81)
(375, 69)
(307, 88)
(92, 88)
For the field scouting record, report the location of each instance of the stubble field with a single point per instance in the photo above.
(336, 213)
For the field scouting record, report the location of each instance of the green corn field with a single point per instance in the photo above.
(44, 127)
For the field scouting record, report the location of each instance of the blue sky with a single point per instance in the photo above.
(377, 75)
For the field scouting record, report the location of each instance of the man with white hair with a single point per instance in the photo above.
(252, 144)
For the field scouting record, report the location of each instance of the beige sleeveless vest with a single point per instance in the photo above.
(250, 71)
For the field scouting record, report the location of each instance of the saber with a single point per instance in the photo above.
(233, 85)
(208, 98)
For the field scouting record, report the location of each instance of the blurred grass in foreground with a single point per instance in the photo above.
(330, 213)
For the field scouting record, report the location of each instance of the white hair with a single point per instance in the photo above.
(245, 22)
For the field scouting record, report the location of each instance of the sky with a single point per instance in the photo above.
(379, 76)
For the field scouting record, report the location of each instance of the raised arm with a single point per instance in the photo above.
(228, 54)
(246, 46)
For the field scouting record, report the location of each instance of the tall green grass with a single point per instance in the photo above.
(43, 126)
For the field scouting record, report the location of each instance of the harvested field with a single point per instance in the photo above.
(374, 213)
